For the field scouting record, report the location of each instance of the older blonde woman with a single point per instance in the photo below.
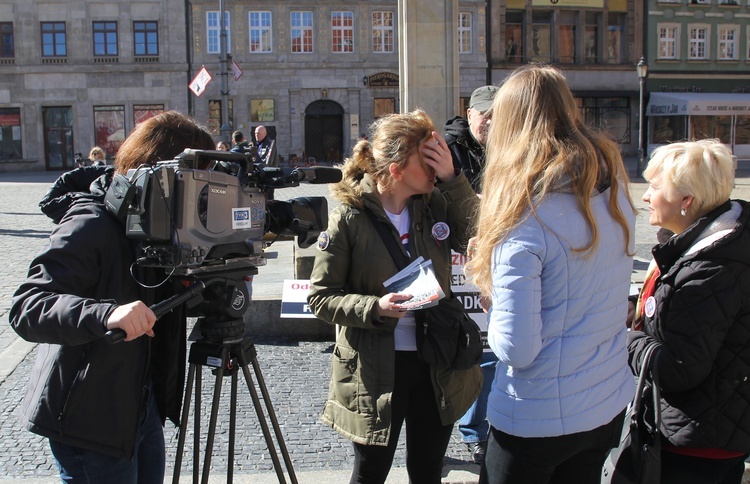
(696, 303)
(554, 252)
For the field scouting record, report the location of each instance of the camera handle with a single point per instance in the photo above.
(160, 309)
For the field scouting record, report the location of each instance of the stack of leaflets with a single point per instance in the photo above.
(417, 279)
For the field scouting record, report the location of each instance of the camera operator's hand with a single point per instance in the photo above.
(388, 305)
(136, 319)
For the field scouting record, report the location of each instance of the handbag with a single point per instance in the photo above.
(446, 336)
(637, 458)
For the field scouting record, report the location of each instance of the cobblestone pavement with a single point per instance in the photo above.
(295, 372)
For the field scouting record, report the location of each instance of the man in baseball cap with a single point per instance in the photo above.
(466, 137)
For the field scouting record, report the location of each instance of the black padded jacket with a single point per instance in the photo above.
(702, 320)
(83, 391)
(468, 154)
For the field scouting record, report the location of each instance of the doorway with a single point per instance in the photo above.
(58, 137)
(324, 131)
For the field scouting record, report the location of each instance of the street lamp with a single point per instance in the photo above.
(642, 70)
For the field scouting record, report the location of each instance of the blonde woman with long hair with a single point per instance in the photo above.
(553, 252)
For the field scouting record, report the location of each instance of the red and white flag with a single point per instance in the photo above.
(236, 71)
(198, 85)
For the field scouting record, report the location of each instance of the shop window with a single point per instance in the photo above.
(142, 112)
(609, 114)
(10, 134)
(711, 127)
(514, 36)
(215, 116)
(742, 130)
(541, 40)
(384, 106)
(666, 129)
(566, 42)
(109, 128)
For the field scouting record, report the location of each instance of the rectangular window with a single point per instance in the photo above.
(514, 36)
(143, 112)
(700, 2)
(261, 33)
(302, 32)
(10, 134)
(213, 32)
(608, 114)
(382, 32)
(698, 42)
(105, 39)
(146, 38)
(669, 35)
(728, 2)
(711, 127)
(591, 38)
(342, 31)
(7, 48)
(566, 32)
(54, 40)
(541, 40)
(215, 116)
(464, 33)
(616, 41)
(109, 128)
(384, 106)
(728, 40)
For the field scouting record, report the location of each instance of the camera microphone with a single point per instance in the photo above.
(318, 175)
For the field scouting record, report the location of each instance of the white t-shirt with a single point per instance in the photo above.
(406, 329)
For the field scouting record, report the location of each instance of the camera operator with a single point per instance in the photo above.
(103, 406)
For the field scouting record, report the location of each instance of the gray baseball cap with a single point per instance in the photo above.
(481, 98)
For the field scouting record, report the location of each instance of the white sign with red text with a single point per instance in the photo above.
(294, 299)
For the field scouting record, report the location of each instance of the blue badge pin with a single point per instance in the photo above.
(323, 241)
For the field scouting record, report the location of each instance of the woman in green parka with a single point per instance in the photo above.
(405, 177)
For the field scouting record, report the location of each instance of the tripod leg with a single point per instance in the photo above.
(232, 421)
(197, 425)
(214, 415)
(274, 420)
(183, 425)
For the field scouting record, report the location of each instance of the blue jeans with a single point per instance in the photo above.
(83, 466)
(473, 425)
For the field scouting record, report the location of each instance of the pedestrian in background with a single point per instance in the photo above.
(378, 381)
(240, 143)
(97, 156)
(554, 246)
(103, 406)
(466, 138)
(695, 304)
(266, 147)
(222, 146)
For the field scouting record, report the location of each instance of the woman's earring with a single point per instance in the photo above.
(683, 212)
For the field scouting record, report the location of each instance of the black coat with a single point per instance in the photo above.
(702, 320)
(468, 154)
(83, 391)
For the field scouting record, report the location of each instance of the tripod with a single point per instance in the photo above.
(224, 348)
(230, 356)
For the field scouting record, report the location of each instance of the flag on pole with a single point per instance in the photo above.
(236, 71)
(198, 85)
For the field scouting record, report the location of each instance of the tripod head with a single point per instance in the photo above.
(218, 296)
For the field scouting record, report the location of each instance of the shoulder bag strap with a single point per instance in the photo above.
(390, 243)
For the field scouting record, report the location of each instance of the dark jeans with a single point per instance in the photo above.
(473, 425)
(575, 458)
(684, 469)
(82, 466)
(427, 439)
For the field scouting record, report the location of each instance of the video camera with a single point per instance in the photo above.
(207, 211)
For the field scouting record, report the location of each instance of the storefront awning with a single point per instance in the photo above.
(698, 104)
